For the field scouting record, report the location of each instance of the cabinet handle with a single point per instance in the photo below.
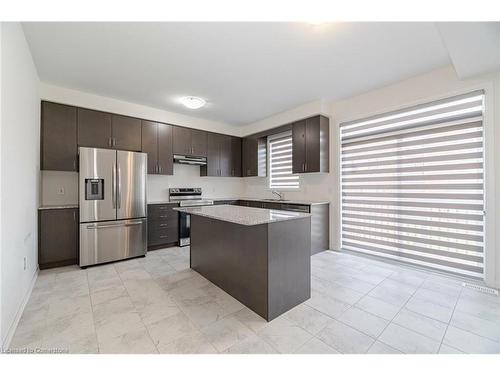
(109, 141)
(159, 168)
(303, 167)
(74, 215)
(114, 141)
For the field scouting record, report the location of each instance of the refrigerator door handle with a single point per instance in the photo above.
(102, 226)
(113, 186)
(119, 190)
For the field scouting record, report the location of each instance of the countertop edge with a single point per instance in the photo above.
(215, 217)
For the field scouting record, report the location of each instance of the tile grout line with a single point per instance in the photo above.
(451, 318)
(135, 307)
(92, 309)
(395, 315)
(177, 305)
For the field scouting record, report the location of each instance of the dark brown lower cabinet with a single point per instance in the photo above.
(163, 225)
(57, 237)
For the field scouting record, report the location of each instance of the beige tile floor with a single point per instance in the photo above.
(158, 305)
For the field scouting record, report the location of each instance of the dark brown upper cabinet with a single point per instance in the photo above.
(157, 143)
(58, 137)
(235, 157)
(106, 130)
(94, 129)
(219, 161)
(126, 133)
(310, 145)
(165, 152)
(254, 154)
(190, 142)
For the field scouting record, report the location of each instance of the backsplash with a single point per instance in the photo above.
(184, 176)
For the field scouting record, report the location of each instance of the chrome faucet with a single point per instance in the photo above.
(280, 195)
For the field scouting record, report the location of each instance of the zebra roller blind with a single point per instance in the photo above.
(280, 162)
(412, 185)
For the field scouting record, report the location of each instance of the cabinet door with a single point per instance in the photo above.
(182, 141)
(213, 155)
(126, 133)
(58, 238)
(165, 154)
(150, 144)
(225, 168)
(58, 136)
(94, 128)
(236, 157)
(299, 146)
(250, 157)
(199, 142)
(312, 145)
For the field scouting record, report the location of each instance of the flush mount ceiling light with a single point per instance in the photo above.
(192, 102)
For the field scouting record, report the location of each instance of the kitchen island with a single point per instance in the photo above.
(260, 257)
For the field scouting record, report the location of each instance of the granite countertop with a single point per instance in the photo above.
(286, 201)
(57, 206)
(243, 215)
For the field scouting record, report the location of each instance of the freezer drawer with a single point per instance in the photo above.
(113, 240)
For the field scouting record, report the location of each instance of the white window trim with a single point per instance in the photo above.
(268, 165)
(489, 169)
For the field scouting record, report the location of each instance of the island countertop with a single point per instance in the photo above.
(243, 215)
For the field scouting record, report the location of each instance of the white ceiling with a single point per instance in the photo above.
(246, 71)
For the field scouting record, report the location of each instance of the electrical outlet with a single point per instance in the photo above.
(60, 190)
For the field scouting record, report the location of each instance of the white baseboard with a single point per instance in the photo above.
(12, 329)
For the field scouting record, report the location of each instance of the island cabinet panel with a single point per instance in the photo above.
(58, 137)
(240, 271)
(157, 143)
(266, 266)
(235, 157)
(310, 139)
(289, 265)
(94, 129)
(163, 225)
(57, 237)
(190, 142)
(126, 133)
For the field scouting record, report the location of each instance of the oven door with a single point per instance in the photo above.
(184, 228)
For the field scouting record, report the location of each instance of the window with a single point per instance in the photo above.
(280, 162)
(412, 185)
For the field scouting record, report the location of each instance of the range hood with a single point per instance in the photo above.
(192, 160)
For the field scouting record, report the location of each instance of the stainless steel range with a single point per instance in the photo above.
(187, 197)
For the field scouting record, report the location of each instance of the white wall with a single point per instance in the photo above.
(20, 123)
(184, 176)
(433, 85)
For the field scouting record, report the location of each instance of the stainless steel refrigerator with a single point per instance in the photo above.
(113, 222)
